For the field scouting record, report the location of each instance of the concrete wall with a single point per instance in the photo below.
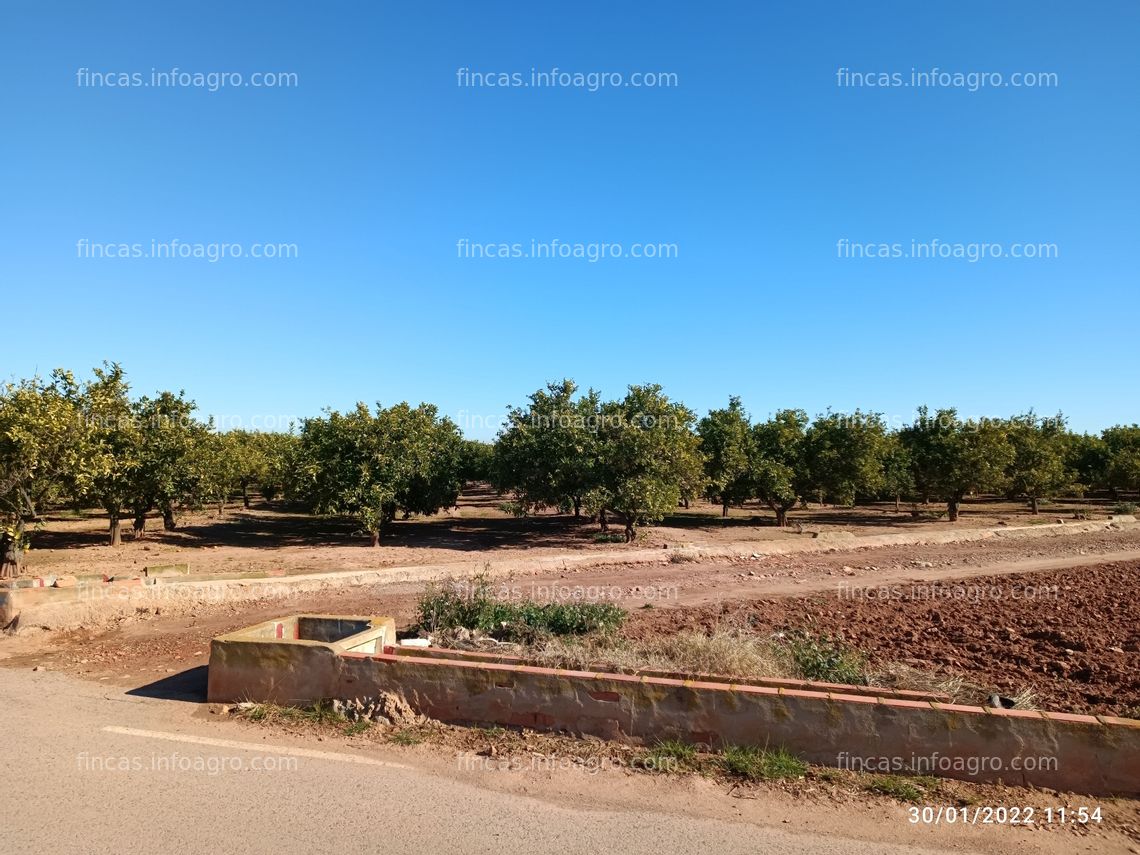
(1091, 754)
(268, 662)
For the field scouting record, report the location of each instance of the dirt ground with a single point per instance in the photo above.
(1071, 636)
(1000, 614)
(268, 540)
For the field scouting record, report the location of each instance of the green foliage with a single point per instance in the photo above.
(726, 444)
(254, 458)
(515, 509)
(779, 464)
(898, 469)
(826, 660)
(1124, 508)
(1086, 456)
(761, 764)
(280, 453)
(476, 461)
(475, 608)
(952, 457)
(844, 455)
(649, 455)
(1122, 457)
(368, 466)
(167, 439)
(548, 451)
(44, 446)
(1037, 470)
(670, 755)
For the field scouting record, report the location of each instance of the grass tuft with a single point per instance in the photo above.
(826, 660)
(670, 755)
(761, 764)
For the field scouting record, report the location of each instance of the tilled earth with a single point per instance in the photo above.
(1070, 636)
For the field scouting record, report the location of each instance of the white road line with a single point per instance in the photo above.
(255, 746)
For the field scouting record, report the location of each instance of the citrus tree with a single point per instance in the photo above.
(726, 445)
(647, 454)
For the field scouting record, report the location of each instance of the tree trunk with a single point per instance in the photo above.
(1033, 504)
(781, 517)
(221, 507)
(168, 522)
(140, 526)
(116, 534)
(245, 495)
(629, 533)
(577, 507)
(898, 498)
(685, 502)
(602, 519)
(952, 509)
(724, 509)
(376, 539)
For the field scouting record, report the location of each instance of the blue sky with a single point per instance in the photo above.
(754, 166)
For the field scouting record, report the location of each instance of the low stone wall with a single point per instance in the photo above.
(820, 724)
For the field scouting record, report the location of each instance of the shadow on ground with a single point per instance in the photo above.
(189, 686)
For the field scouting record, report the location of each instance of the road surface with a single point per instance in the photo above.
(91, 768)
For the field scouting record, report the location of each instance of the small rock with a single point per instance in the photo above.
(39, 668)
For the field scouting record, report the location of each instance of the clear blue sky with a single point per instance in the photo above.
(754, 165)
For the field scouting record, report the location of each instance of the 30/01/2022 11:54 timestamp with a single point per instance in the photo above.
(1001, 815)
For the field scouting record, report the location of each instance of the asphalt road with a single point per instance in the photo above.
(88, 768)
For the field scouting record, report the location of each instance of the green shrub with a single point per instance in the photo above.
(515, 509)
(1124, 508)
(760, 764)
(609, 537)
(447, 608)
(826, 660)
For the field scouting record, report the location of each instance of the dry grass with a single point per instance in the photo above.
(897, 675)
(724, 652)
